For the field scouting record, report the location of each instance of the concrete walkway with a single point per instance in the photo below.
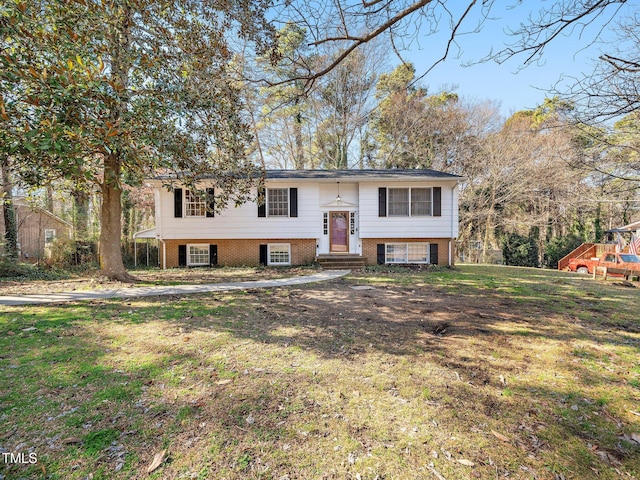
(39, 299)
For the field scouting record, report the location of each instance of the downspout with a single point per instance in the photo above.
(164, 255)
(453, 194)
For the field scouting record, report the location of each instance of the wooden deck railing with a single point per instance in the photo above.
(584, 250)
(587, 250)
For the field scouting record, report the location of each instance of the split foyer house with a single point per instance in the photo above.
(379, 216)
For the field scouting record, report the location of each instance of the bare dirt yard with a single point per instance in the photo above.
(478, 372)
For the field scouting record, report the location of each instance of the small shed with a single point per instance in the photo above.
(37, 229)
(147, 235)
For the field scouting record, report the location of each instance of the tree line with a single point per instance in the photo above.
(97, 96)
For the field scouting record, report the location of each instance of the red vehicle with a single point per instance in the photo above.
(613, 261)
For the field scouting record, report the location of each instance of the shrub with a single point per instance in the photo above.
(558, 247)
(65, 253)
(13, 270)
(519, 250)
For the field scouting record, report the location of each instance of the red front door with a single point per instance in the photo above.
(339, 232)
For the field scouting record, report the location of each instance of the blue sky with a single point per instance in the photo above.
(514, 87)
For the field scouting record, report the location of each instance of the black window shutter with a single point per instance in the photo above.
(177, 202)
(437, 201)
(293, 202)
(262, 209)
(213, 255)
(212, 204)
(433, 253)
(263, 254)
(382, 202)
(380, 250)
(182, 255)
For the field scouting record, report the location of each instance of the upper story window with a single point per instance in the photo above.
(192, 204)
(195, 206)
(420, 201)
(410, 202)
(406, 202)
(398, 199)
(278, 202)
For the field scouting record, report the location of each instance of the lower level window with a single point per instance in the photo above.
(197, 255)
(407, 253)
(279, 254)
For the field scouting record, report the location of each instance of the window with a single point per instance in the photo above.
(279, 254)
(195, 205)
(396, 253)
(49, 235)
(352, 223)
(417, 253)
(197, 255)
(325, 223)
(398, 202)
(405, 202)
(407, 253)
(420, 201)
(278, 202)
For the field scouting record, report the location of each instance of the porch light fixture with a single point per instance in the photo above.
(338, 197)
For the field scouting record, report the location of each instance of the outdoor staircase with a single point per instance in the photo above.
(586, 250)
(341, 262)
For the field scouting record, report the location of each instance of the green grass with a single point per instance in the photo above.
(526, 373)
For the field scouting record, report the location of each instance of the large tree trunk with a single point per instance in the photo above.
(110, 247)
(9, 213)
(111, 224)
(297, 128)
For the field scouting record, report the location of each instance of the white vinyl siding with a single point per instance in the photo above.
(371, 225)
(279, 254)
(241, 222)
(407, 253)
(197, 254)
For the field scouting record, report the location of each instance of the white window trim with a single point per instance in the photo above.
(268, 197)
(270, 245)
(200, 201)
(430, 214)
(199, 245)
(53, 236)
(406, 258)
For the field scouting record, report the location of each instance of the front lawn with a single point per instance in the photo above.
(480, 372)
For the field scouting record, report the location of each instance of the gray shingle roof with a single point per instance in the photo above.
(354, 175)
(360, 174)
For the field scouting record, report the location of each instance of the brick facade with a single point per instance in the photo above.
(370, 246)
(242, 252)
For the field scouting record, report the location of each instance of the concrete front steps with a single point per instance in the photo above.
(340, 261)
